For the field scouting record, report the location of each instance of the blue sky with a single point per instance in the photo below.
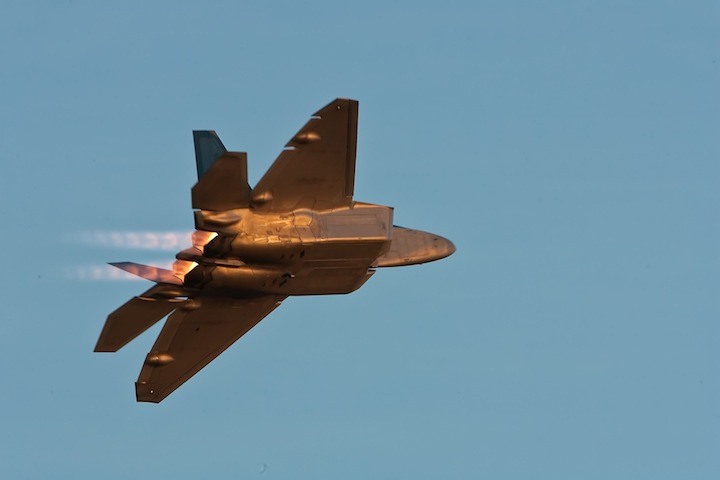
(569, 150)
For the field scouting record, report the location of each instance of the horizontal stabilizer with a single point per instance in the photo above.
(208, 148)
(225, 185)
(133, 318)
(155, 274)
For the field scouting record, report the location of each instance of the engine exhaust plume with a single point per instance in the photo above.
(138, 240)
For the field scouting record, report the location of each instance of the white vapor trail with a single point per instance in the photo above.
(170, 241)
(137, 240)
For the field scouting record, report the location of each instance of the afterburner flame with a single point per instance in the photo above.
(181, 268)
(201, 238)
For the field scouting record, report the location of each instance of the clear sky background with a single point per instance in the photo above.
(569, 149)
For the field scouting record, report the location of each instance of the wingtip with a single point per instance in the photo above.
(145, 392)
(337, 103)
(105, 349)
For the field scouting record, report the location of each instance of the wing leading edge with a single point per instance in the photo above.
(317, 167)
(193, 336)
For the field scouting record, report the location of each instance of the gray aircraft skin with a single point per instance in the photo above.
(298, 232)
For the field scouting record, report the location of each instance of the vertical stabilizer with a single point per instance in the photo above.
(208, 148)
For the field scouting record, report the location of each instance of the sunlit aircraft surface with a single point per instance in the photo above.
(298, 232)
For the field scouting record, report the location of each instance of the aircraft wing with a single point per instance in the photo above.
(317, 167)
(194, 336)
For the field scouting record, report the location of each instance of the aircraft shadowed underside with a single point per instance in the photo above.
(298, 232)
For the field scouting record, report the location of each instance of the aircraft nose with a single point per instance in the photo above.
(450, 247)
(443, 247)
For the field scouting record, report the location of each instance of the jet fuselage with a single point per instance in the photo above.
(300, 252)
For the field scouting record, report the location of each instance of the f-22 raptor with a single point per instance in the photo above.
(298, 232)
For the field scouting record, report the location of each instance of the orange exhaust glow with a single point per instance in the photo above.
(182, 267)
(201, 238)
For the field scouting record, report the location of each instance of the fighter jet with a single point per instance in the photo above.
(298, 232)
